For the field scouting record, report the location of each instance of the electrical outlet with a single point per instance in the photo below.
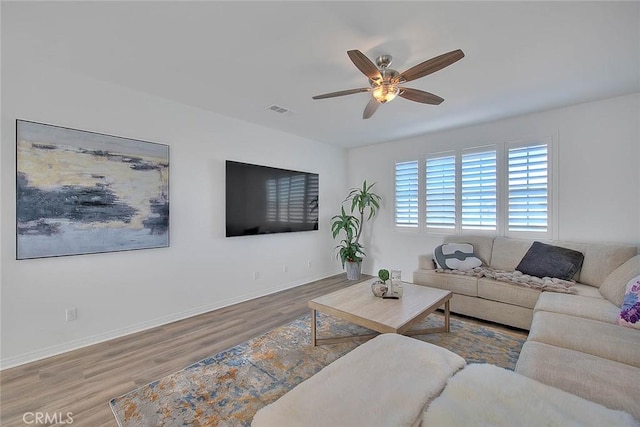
(309, 263)
(255, 275)
(285, 268)
(71, 314)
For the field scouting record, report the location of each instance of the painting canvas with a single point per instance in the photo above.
(81, 192)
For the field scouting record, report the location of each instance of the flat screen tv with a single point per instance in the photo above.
(266, 200)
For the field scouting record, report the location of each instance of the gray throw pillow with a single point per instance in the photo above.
(542, 260)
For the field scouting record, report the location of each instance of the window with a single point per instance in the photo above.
(479, 191)
(528, 189)
(500, 189)
(407, 194)
(441, 192)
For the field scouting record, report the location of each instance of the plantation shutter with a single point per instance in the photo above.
(479, 190)
(407, 194)
(528, 188)
(441, 192)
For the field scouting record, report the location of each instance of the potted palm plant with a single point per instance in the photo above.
(350, 252)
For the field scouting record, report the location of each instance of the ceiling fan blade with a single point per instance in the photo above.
(371, 108)
(342, 93)
(364, 64)
(430, 66)
(420, 96)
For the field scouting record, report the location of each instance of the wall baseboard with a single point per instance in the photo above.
(22, 359)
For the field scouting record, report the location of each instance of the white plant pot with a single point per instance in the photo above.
(353, 270)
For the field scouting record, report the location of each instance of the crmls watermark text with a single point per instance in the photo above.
(47, 418)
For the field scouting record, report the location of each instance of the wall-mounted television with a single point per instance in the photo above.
(266, 200)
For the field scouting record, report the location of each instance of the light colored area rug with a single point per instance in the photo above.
(228, 389)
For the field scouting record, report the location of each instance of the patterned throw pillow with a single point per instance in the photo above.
(630, 311)
(456, 256)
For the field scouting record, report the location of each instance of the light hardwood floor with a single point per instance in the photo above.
(83, 381)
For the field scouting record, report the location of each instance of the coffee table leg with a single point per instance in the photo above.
(314, 341)
(446, 316)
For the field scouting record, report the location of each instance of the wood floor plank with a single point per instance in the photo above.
(84, 380)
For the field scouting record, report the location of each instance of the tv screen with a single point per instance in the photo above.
(265, 200)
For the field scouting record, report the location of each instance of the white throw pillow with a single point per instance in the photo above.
(456, 256)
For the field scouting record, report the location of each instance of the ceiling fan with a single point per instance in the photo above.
(385, 82)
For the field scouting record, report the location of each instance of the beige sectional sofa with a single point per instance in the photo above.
(504, 302)
(574, 342)
(576, 345)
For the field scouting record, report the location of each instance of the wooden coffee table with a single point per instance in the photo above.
(357, 304)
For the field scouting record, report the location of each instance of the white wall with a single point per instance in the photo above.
(118, 293)
(598, 181)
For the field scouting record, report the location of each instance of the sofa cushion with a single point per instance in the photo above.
(612, 384)
(493, 311)
(601, 259)
(611, 341)
(507, 253)
(543, 260)
(466, 285)
(630, 310)
(486, 395)
(507, 292)
(614, 286)
(482, 245)
(576, 305)
(587, 291)
(456, 256)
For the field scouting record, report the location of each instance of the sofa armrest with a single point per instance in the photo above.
(426, 262)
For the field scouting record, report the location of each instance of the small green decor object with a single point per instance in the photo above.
(383, 274)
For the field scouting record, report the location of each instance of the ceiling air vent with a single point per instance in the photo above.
(280, 110)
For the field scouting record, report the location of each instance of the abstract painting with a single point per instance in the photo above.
(81, 192)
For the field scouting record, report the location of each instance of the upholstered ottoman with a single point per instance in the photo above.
(387, 381)
(486, 395)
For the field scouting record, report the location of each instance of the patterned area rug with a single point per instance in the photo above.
(227, 389)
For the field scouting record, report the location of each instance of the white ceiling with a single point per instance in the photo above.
(236, 58)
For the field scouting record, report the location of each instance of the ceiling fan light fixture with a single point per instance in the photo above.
(385, 92)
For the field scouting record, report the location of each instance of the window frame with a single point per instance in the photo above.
(552, 184)
(502, 183)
